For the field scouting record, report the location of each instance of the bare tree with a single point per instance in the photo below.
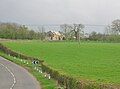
(116, 26)
(77, 28)
(42, 32)
(66, 30)
(108, 30)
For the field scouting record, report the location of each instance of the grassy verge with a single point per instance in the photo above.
(44, 82)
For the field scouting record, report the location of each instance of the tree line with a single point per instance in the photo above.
(16, 31)
(76, 32)
(70, 32)
(112, 33)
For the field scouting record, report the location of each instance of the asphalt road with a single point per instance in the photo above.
(13, 76)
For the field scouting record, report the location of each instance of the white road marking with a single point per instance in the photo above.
(14, 79)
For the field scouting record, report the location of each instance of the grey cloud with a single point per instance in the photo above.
(59, 11)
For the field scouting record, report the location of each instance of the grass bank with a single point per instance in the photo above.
(45, 83)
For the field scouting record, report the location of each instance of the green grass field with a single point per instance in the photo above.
(92, 61)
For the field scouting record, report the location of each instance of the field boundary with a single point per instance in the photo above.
(67, 82)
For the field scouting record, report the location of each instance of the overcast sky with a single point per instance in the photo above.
(59, 11)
